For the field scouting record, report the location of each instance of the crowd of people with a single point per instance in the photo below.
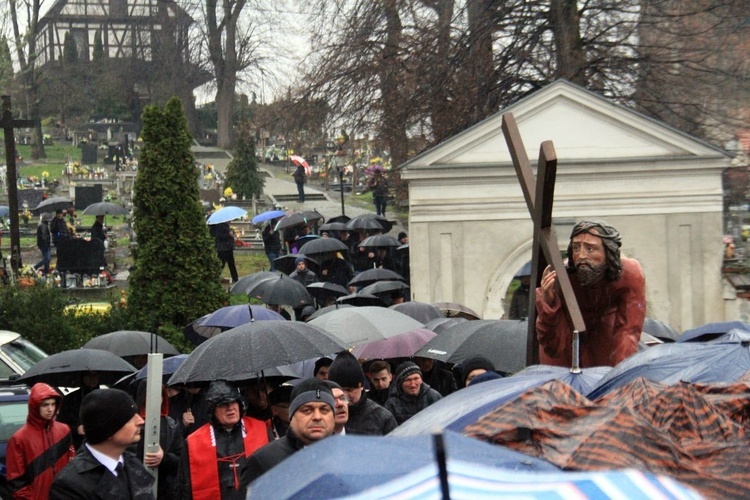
(214, 439)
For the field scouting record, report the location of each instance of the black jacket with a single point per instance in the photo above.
(441, 380)
(368, 417)
(271, 455)
(271, 240)
(97, 231)
(59, 229)
(86, 478)
(222, 233)
(171, 442)
(43, 237)
(404, 406)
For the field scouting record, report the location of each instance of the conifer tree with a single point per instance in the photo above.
(243, 175)
(176, 272)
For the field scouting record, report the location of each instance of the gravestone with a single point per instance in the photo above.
(88, 195)
(88, 154)
(32, 197)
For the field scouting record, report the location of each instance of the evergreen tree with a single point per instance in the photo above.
(98, 47)
(6, 63)
(176, 271)
(243, 175)
(70, 52)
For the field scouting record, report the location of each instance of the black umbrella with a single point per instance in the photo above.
(374, 275)
(131, 343)
(66, 368)
(379, 241)
(287, 264)
(370, 222)
(501, 341)
(105, 208)
(454, 309)
(247, 283)
(325, 310)
(243, 352)
(340, 218)
(384, 287)
(53, 204)
(360, 300)
(323, 290)
(282, 290)
(334, 226)
(440, 325)
(291, 220)
(323, 245)
(421, 311)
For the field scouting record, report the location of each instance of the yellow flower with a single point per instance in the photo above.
(228, 192)
(45, 174)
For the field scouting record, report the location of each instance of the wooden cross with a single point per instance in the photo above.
(8, 124)
(539, 194)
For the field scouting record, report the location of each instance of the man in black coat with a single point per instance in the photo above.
(365, 416)
(224, 237)
(411, 394)
(311, 413)
(101, 468)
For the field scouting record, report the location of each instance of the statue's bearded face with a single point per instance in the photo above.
(589, 258)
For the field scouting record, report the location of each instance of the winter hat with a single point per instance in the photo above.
(401, 235)
(346, 371)
(484, 377)
(320, 363)
(104, 412)
(298, 260)
(308, 391)
(404, 370)
(475, 363)
(332, 385)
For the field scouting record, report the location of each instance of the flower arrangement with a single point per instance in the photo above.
(228, 192)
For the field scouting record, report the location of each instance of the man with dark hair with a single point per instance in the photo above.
(610, 291)
(101, 468)
(365, 416)
(411, 395)
(215, 456)
(311, 412)
(380, 381)
(322, 366)
(40, 448)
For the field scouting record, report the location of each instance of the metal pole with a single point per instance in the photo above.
(576, 368)
(341, 185)
(153, 409)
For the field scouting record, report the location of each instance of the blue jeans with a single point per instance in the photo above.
(46, 257)
(380, 204)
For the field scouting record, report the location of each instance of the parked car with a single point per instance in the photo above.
(14, 405)
(17, 355)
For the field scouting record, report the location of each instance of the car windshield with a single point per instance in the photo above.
(12, 417)
(23, 353)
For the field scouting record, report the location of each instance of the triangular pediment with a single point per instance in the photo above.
(583, 126)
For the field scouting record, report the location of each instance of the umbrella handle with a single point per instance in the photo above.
(576, 368)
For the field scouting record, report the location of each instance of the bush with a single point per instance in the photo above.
(38, 313)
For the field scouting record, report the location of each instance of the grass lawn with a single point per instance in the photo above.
(57, 157)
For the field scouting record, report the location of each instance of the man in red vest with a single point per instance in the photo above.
(215, 455)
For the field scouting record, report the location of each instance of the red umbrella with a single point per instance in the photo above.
(298, 160)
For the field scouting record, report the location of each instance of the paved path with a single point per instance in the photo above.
(278, 186)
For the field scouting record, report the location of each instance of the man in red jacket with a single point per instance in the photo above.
(611, 293)
(39, 449)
